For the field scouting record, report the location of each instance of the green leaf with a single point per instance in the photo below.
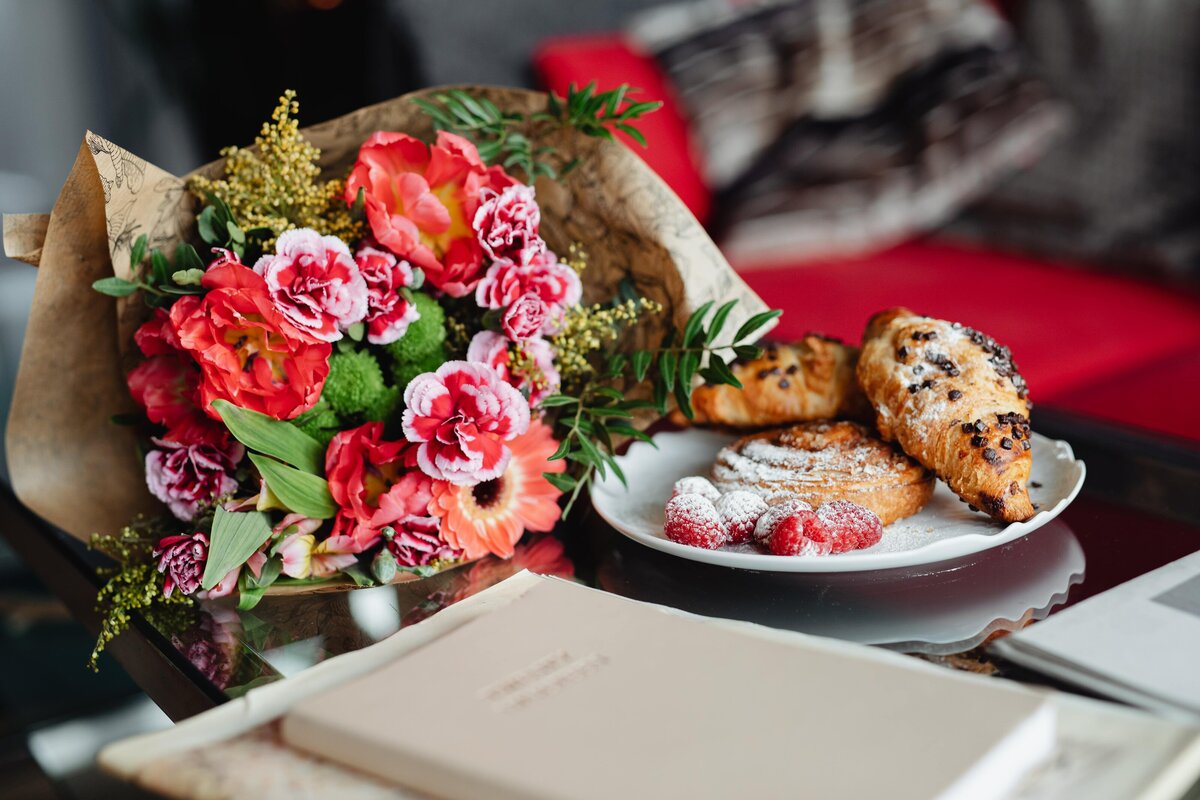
(718, 320)
(560, 480)
(615, 467)
(188, 277)
(274, 437)
(723, 373)
(208, 225)
(689, 362)
(625, 429)
(359, 575)
(616, 364)
(248, 596)
(356, 331)
(754, 323)
(593, 454)
(186, 258)
(748, 352)
(641, 364)
(115, 287)
(564, 447)
(235, 537)
(301, 492)
(555, 400)
(137, 253)
(692, 330)
(632, 133)
(270, 573)
(235, 233)
(683, 399)
(666, 368)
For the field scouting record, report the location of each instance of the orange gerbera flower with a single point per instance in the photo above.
(491, 516)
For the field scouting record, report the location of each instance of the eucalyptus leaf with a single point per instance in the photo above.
(302, 492)
(275, 437)
(115, 287)
(235, 537)
(188, 277)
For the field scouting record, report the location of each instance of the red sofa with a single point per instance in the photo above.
(1114, 347)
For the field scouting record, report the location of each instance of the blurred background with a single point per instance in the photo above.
(1026, 167)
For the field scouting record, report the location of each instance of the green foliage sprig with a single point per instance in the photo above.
(160, 281)
(591, 422)
(506, 137)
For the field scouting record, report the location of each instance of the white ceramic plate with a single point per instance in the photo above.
(944, 529)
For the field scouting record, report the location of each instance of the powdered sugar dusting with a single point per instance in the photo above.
(696, 484)
(740, 512)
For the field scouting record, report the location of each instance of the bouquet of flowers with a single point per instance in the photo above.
(374, 372)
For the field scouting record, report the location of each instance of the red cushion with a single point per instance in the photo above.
(608, 61)
(1160, 396)
(1081, 338)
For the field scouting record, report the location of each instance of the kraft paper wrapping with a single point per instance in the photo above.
(75, 469)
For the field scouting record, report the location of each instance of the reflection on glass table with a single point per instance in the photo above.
(283, 635)
(943, 608)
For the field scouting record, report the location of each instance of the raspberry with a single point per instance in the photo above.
(850, 526)
(694, 484)
(739, 512)
(800, 533)
(693, 519)
(766, 523)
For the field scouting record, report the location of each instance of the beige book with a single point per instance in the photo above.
(568, 692)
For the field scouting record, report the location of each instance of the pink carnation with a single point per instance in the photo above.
(388, 311)
(555, 283)
(507, 225)
(461, 416)
(182, 559)
(188, 474)
(524, 318)
(315, 283)
(491, 348)
(418, 542)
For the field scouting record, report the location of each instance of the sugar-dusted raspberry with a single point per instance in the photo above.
(693, 519)
(739, 512)
(695, 484)
(766, 523)
(800, 533)
(850, 526)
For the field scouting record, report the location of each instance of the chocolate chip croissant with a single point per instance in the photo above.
(953, 399)
(810, 379)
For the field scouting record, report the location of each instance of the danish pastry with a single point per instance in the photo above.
(954, 400)
(811, 379)
(823, 461)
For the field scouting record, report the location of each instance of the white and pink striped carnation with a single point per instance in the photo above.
(315, 283)
(461, 416)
